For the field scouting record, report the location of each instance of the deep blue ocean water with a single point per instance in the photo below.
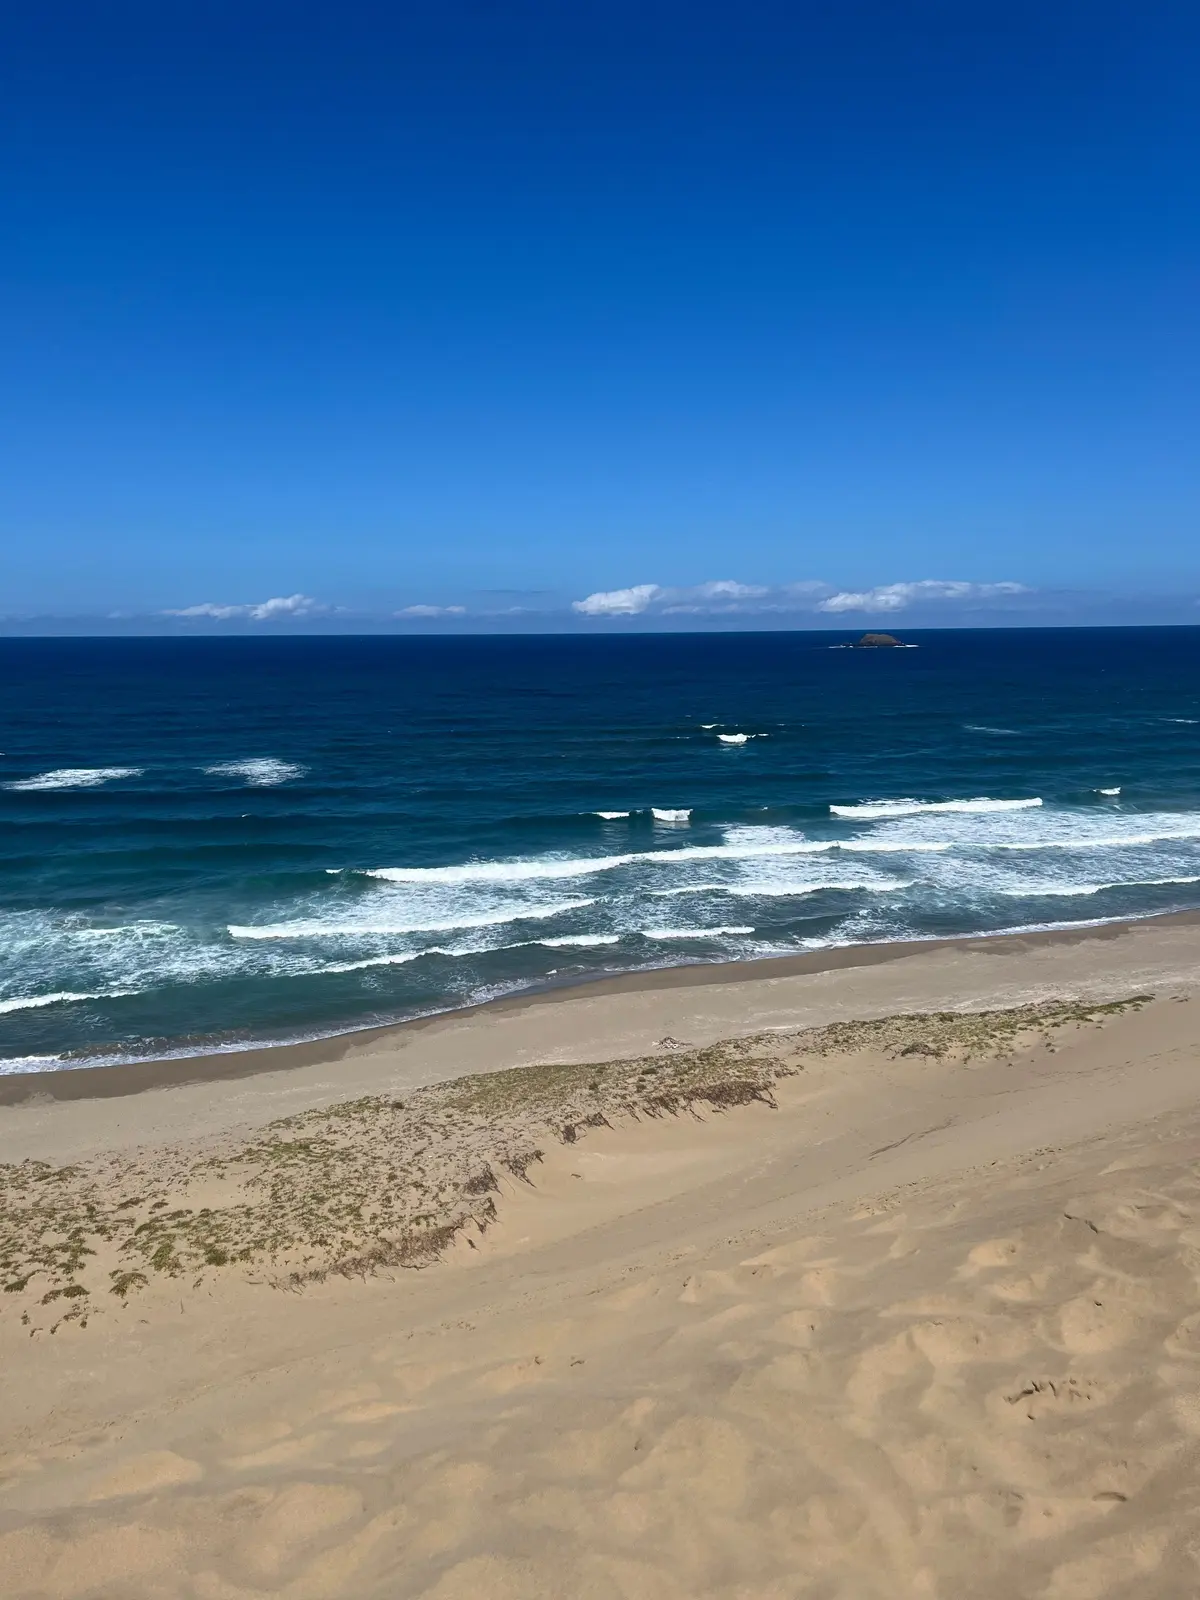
(209, 842)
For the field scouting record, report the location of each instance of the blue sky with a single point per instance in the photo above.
(651, 315)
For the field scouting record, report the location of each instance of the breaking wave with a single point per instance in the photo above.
(73, 778)
(873, 810)
(262, 773)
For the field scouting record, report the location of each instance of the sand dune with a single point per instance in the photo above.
(929, 1326)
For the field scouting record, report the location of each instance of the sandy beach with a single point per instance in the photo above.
(874, 1276)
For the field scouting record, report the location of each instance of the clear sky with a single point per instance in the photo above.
(598, 315)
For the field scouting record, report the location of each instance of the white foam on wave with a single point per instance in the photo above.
(1107, 842)
(64, 997)
(582, 940)
(870, 810)
(610, 816)
(739, 738)
(983, 727)
(785, 891)
(890, 847)
(1116, 789)
(323, 928)
(690, 888)
(263, 773)
(692, 933)
(73, 778)
(1033, 891)
(399, 960)
(671, 814)
(556, 867)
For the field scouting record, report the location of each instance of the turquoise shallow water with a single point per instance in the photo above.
(210, 842)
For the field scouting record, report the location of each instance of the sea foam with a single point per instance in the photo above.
(73, 778)
(65, 997)
(872, 810)
(328, 928)
(262, 773)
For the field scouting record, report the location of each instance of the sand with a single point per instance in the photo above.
(800, 1306)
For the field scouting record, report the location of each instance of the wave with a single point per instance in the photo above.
(316, 928)
(690, 888)
(1116, 789)
(691, 933)
(740, 738)
(379, 961)
(262, 773)
(871, 810)
(139, 930)
(669, 814)
(73, 778)
(1112, 842)
(1032, 891)
(983, 727)
(848, 885)
(582, 940)
(610, 816)
(65, 997)
(557, 867)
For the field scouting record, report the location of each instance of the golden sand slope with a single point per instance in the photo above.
(382, 1181)
(763, 1355)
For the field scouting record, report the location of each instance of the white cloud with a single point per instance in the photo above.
(721, 594)
(726, 596)
(727, 589)
(898, 596)
(292, 605)
(618, 602)
(433, 611)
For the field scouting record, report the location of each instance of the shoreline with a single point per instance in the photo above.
(73, 1084)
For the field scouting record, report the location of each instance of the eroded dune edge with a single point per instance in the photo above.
(902, 1307)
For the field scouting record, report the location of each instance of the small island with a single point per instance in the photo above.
(877, 641)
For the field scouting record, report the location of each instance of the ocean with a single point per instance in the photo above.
(215, 842)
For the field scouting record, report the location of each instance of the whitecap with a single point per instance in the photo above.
(1031, 891)
(383, 961)
(691, 888)
(669, 814)
(582, 940)
(261, 773)
(868, 847)
(982, 727)
(64, 997)
(558, 867)
(872, 810)
(1112, 842)
(846, 885)
(735, 738)
(1116, 789)
(691, 933)
(73, 778)
(610, 816)
(320, 928)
